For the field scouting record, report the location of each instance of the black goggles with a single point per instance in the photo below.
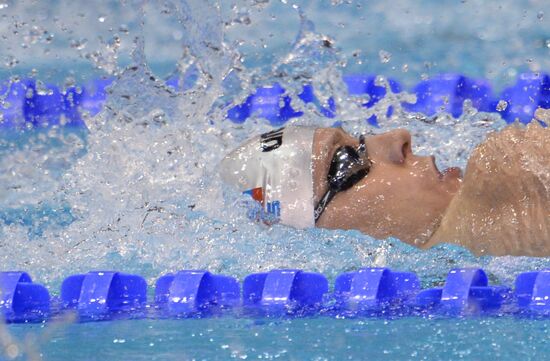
(347, 168)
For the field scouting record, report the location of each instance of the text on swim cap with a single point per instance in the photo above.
(271, 140)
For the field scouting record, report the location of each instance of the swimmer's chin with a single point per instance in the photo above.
(423, 239)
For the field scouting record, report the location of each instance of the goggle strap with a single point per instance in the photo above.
(329, 194)
(362, 146)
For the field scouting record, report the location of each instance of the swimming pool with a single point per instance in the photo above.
(311, 339)
(137, 191)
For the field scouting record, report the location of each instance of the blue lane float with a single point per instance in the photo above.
(27, 104)
(196, 293)
(308, 96)
(367, 85)
(21, 300)
(447, 93)
(89, 98)
(44, 107)
(103, 294)
(272, 104)
(523, 98)
(532, 291)
(375, 290)
(268, 102)
(370, 292)
(466, 291)
(12, 108)
(284, 291)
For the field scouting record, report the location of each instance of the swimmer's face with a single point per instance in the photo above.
(404, 195)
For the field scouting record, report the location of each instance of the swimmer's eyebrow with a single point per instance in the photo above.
(341, 138)
(336, 140)
(332, 139)
(329, 138)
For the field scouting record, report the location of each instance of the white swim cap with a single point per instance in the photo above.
(276, 170)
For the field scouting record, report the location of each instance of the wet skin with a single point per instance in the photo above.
(404, 195)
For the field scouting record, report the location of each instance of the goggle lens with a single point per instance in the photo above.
(347, 168)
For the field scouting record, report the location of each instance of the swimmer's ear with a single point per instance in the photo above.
(543, 115)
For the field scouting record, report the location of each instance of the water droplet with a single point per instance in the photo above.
(384, 56)
(293, 172)
(380, 81)
(293, 185)
(502, 105)
(3, 6)
(101, 19)
(242, 17)
(540, 15)
(70, 82)
(79, 44)
(260, 2)
(177, 35)
(12, 350)
(11, 61)
(123, 28)
(405, 68)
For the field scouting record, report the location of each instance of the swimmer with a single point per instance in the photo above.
(327, 178)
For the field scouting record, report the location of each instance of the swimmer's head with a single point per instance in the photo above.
(403, 195)
(275, 168)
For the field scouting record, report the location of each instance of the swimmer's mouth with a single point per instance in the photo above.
(451, 172)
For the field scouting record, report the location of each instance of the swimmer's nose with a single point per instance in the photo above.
(393, 146)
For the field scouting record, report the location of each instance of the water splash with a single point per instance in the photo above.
(142, 185)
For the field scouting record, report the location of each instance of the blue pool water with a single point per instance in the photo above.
(298, 339)
(138, 189)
